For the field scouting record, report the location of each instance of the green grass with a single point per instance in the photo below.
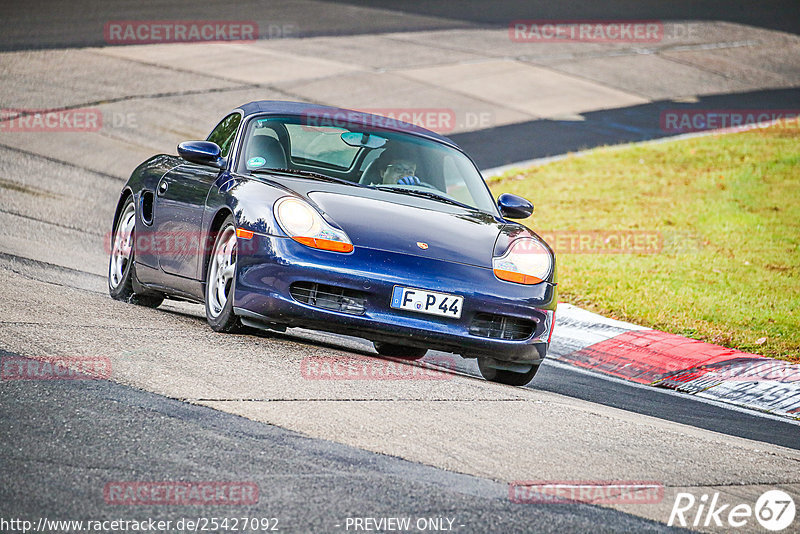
(728, 210)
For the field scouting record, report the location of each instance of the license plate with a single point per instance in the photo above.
(419, 300)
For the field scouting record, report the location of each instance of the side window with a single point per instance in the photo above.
(225, 132)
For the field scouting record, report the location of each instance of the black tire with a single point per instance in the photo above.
(399, 351)
(509, 378)
(120, 282)
(222, 320)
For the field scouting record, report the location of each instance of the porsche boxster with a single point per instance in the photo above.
(299, 215)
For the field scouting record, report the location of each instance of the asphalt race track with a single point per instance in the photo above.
(309, 485)
(182, 403)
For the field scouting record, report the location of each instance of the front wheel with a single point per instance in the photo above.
(399, 351)
(509, 378)
(121, 266)
(221, 280)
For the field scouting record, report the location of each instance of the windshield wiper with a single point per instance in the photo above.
(424, 194)
(305, 174)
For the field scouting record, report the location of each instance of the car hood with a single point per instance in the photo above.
(455, 234)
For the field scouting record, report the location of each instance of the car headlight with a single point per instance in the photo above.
(527, 261)
(305, 225)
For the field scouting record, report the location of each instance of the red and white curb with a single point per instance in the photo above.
(586, 340)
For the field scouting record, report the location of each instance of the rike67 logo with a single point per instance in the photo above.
(774, 510)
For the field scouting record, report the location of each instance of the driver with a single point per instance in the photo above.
(400, 171)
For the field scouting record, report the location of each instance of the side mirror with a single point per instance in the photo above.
(202, 152)
(514, 207)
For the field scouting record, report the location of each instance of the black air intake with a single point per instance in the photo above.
(501, 327)
(333, 298)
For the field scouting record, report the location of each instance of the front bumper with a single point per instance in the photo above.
(268, 266)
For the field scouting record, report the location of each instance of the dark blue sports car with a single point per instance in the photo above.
(298, 215)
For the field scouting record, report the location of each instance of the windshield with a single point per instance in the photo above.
(371, 157)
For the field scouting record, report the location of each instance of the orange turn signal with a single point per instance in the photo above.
(511, 276)
(325, 244)
(244, 234)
